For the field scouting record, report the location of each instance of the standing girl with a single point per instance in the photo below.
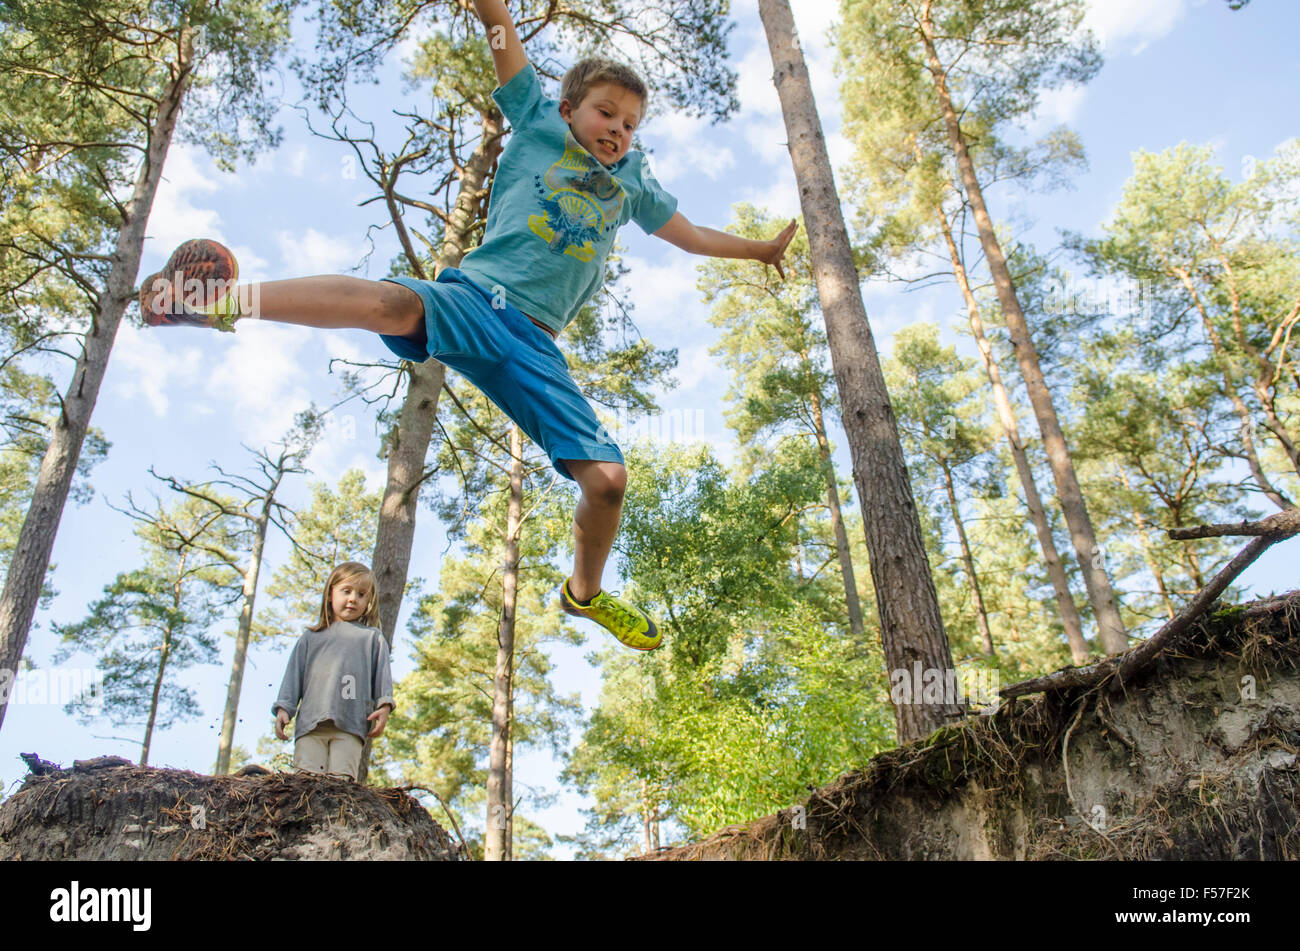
(337, 675)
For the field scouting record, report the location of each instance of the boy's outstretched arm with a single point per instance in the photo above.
(508, 54)
(719, 244)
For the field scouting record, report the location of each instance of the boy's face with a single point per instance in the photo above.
(349, 599)
(604, 121)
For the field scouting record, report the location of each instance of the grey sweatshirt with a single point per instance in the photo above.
(340, 674)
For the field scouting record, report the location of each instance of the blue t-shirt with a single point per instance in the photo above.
(556, 209)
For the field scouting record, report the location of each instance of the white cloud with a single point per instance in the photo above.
(767, 141)
(343, 346)
(146, 363)
(1060, 106)
(1125, 24)
(252, 266)
(754, 84)
(780, 195)
(665, 295)
(298, 161)
(258, 380)
(174, 217)
(338, 451)
(313, 252)
(177, 215)
(699, 370)
(686, 148)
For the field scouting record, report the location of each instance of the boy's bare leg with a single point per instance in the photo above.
(335, 301)
(595, 523)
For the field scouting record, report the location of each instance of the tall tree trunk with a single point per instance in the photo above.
(647, 817)
(908, 607)
(408, 445)
(510, 773)
(1109, 625)
(31, 556)
(408, 440)
(1011, 429)
(499, 803)
(244, 634)
(977, 597)
(163, 654)
(851, 599)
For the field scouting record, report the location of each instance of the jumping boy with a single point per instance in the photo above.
(566, 181)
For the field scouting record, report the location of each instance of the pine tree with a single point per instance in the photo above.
(988, 60)
(154, 621)
(135, 64)
(1225, 255)
(781, 384)
(911, 624)
(252, 503)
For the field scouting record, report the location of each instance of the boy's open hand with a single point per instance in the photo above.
(281, 721)
(380, 717)
(776, 247)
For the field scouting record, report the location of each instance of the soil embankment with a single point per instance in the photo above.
(98, 810)
(1193, 758)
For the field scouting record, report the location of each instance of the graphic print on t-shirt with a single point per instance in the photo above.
(578, 196)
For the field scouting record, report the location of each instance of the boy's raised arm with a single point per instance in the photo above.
(508, 54)
(719, 244)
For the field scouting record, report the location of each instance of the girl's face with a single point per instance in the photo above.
(349, 598)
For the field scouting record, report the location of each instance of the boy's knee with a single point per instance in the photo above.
(400, 309)
(605, 483)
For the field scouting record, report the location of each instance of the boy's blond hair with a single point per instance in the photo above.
(593, 71)
(352, 571)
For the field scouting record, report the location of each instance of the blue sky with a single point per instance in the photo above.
(1176, 70)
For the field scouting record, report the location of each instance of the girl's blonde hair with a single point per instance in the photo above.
(352, 571)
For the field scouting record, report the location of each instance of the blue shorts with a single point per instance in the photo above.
(513, 361)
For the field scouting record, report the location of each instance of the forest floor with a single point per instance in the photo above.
(109, 809)
(1194, 757)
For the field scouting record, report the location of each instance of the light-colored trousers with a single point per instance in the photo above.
(327, 749)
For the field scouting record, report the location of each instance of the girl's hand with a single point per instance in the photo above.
(281, 721)
(774, 250)
(380, 717)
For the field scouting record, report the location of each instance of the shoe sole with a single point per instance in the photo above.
(205, 261)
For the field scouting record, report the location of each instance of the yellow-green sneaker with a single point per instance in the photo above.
(624, 620)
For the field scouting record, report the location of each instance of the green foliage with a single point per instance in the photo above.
(28, 403)
(679, 47)
(152, 621)
(439, 734)
(998, 56)
(337, 525)
(757, 692)
(939, 402)
(1218, 267)
(771, 339)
